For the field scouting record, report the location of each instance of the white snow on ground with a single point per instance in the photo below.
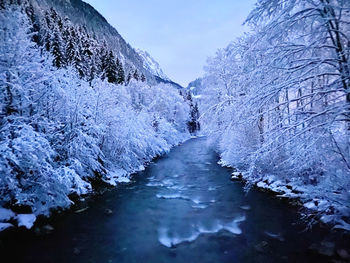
(268, 118)
(342, 225)
(26, 220)
(151, 64)
(113, 126)
(6, 214)
(117, 176)
(123, 179)
(4, 226)
(331, 207)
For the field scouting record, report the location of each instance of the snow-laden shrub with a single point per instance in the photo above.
(145, 124)
(237, 145)
(58, 131)
(27, 175)
(277, 105)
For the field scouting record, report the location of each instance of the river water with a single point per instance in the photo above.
(182, 208)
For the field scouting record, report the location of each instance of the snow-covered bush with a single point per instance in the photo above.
(276, 101)
(59, 132)
(27, 175)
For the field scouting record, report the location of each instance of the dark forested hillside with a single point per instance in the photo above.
(75, 33)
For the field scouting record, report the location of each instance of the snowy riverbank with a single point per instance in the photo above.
(329, 207)
(10, 218)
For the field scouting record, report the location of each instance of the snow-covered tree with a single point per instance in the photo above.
(276, 101)
(61, 128)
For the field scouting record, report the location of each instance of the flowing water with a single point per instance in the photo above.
(182, 208)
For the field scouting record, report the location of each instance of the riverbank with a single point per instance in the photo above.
(335, 212)
(181, 208)
(23, 216)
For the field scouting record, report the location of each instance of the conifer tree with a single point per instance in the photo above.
(29, 9)
(136, 75)
(120, 72)
(110, 71)
(56, 51)
(143, 78)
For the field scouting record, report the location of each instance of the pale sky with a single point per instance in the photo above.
(179, 34)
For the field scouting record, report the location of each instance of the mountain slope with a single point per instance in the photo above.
(84, 15)
(151, 64)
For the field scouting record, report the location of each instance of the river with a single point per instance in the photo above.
(182, 208)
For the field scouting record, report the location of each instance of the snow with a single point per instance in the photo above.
(342, 225)
(26, 220)
(123, 180)
(330, 207)
(310, 205)
(6, 214)
(268, 118)
(4, 226)
(151, 65)
(197, 96)
(261, 184)
(67, 131)
(117, 176)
